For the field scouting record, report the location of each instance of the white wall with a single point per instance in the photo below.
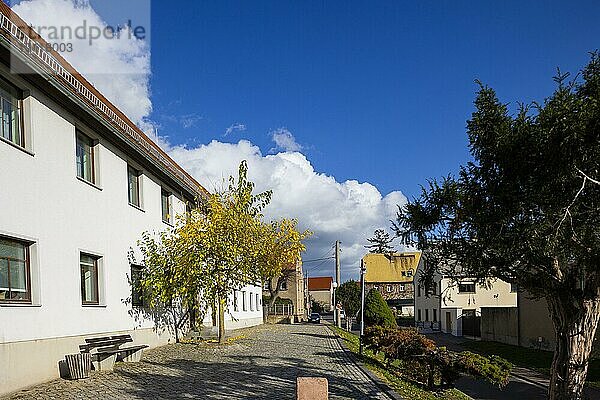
(43, 201)
(63, 215)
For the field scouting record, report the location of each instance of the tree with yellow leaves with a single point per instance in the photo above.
(217, 248)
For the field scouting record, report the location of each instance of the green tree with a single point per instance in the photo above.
(348, 294)
(380, 242)
(526, 210)
(218, 248)
(377, 312)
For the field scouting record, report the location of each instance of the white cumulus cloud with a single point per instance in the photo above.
(118, 67)
(284, 140)
(348, 211)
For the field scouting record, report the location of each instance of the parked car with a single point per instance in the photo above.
(315, 318)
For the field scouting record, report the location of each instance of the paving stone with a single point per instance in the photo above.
(264, 364)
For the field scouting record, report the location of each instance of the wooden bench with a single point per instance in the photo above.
(105, 351)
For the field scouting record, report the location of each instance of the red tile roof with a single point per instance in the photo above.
(320, 283)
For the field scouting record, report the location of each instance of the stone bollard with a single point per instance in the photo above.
(311, 389)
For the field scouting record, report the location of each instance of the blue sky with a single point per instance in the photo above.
(371, 97)
(375, 91)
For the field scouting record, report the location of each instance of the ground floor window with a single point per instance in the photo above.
(137, 293)
(244, 308)
(419, 315)
(434, 315)
(14, 271)
(88, 266)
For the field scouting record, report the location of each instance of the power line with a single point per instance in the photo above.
(317, 259)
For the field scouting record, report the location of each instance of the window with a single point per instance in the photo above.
(426, 314)
(419, 314)
(14, 271)
(84, 152)
(235, 302)
(418, 290)
(133, 182)
(251, 301)
(244, 308)
(10, 106)
(434, 315)
(257, 302)
(137, 294)
(389, 288)
(402, 287)
(267, 285)
(166, 206)
(466, 287)
(89, 279)
(283, 286)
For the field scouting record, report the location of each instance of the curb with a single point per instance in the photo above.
(378, 382)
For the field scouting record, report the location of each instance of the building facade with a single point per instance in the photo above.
(454, 305)
(291, 290)
(392, 275)
(320, 289)
(79, 183)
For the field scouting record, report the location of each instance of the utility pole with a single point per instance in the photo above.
(363, 270)
(338, 321)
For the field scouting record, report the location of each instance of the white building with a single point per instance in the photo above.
(79, 183)
(454, 306)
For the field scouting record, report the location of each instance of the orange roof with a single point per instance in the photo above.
(40, 53)
(320, 283)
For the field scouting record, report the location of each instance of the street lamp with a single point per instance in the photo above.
(363, 270)
(334, 284)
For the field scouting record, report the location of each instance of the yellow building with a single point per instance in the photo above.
(392, 275)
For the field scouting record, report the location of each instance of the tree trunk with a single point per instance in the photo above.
(575, 322)
(221, 321)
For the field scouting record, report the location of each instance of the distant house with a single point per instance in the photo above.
(290, 290)
(320, 289)
(392, 275)
(455, 305)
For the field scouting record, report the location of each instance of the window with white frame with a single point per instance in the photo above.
(134, 186)
(258, 302)
(15, 282)
(244, 307)
(84, 154)
(166, 205)
(251, 301)
(466, 287)
(137, 292)
(88, 266)
(11, 126)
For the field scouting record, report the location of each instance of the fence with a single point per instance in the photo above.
(282, 309)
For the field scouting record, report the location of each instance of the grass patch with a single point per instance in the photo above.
(403, 388)
(539, 360)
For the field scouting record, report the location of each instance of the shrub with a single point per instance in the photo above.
(421, 361)
(377, 311)
(494, 369)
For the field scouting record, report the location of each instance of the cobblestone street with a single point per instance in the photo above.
(264, 364)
